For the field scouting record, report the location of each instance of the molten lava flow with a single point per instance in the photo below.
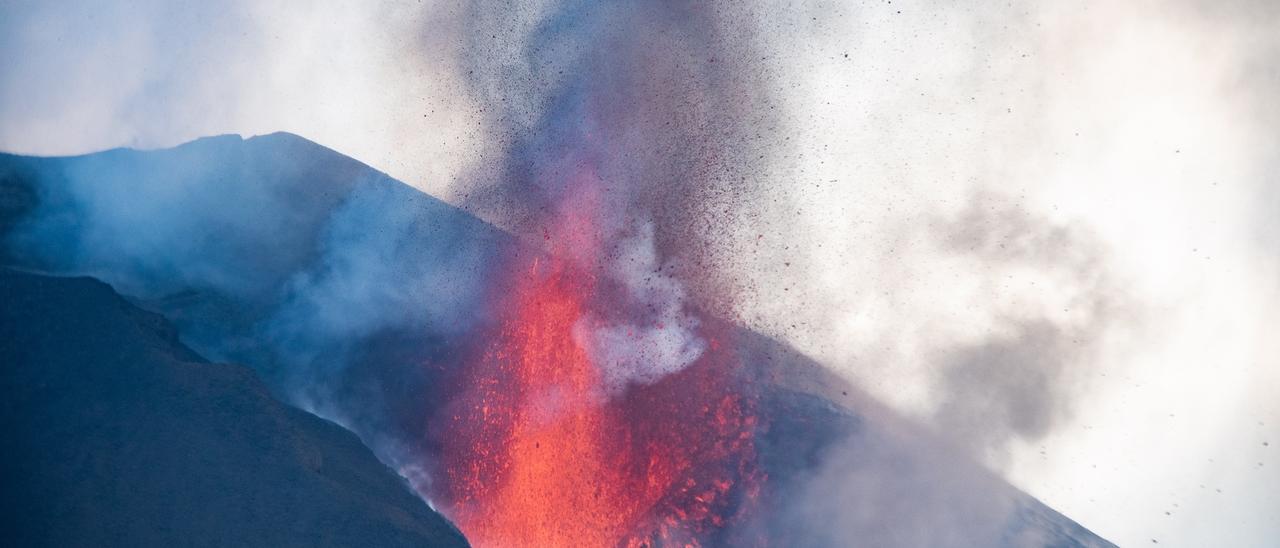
(549, 473)
(537, 454)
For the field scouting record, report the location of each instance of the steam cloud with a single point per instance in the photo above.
(658, 337)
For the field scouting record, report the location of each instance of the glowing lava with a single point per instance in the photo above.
(536, 453)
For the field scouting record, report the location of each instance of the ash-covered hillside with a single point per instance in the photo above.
(117, 434)
(349, 293)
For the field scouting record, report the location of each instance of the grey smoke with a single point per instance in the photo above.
(875, 490)
(1005, 388)
(1021, 381)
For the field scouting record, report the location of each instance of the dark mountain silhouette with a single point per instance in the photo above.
(346, 291)
(117, 434)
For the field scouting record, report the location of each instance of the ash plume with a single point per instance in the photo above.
(665, 103)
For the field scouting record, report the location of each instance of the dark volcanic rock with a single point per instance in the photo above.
(116, 434)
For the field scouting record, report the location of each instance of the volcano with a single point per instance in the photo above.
(451, 348)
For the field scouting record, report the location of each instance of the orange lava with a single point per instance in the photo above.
(535, 454)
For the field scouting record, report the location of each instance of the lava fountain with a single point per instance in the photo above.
(540, 449)
(598, 408)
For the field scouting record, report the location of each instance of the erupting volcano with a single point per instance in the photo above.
(543, 449)
(655, 273)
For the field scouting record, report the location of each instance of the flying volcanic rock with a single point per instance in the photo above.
(116, 434)
(401, 318)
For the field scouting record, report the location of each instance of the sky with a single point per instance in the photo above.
(1070, 213)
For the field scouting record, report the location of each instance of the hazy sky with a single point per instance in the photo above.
(964, 193)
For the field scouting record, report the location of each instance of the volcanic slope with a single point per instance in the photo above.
(348, 292)
(117, 434)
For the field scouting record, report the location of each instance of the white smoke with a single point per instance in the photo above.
(663, 341)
